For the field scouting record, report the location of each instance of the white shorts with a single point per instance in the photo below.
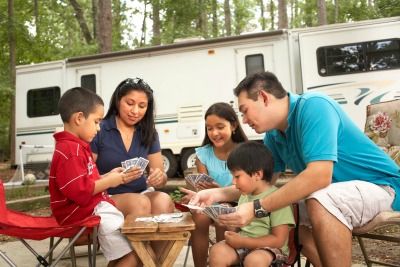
(354, 203)
(112, 242)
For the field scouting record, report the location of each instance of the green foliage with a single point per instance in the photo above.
(176, 195)
(388, 8)
(56, 33)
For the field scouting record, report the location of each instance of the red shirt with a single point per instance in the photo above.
(72, 179)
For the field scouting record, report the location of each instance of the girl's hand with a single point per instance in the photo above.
(206, 185)
(233, 239)
(189, 194)
(132, 174)
(157, 178)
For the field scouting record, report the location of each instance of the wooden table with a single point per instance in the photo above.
(140, 233)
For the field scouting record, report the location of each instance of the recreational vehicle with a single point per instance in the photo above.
(355, 63)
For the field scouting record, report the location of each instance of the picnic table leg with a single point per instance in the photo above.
(173, 253)
(143, 251)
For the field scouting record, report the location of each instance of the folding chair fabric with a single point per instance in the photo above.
(24, 226)
(383, 127)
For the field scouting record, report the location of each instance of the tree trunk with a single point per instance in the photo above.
(12, 47)
(143, 36)
(262, 17)
(272, 13)
(156, 23)
(227, 12)
(282, 14)
(214, 7)
(95, 7)
(336, 11)
(81, 20)
(322, 20)
(36, 14)
(202, 18)
(104, 19)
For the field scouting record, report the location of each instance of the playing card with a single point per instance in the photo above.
(226, 210)
(191, 179)
(123, 164)
(205, 178)
(193, 207)
(142, 163)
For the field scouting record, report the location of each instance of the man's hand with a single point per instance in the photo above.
(243, 215)
(203, 198)
(233, 239)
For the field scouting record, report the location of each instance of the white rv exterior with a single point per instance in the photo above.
(188, 77)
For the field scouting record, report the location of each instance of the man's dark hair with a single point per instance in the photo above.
(251, 157)
(266, 81)
(78, 99)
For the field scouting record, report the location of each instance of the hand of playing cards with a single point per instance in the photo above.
(135, 162)
(213, 211)
(194, 179)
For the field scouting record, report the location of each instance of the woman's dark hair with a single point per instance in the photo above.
(146, 124)
(226, 112)
(251, 157)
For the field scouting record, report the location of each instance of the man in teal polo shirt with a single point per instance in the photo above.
(344, 178)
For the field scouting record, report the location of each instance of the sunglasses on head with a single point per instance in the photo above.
(134, 83)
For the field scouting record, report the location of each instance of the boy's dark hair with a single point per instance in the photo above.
(251, 157)
(226, 112)
(146, 124)
(78, 99)
(266, 81)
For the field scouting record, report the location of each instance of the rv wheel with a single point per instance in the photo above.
(170, 163)
(188, 159)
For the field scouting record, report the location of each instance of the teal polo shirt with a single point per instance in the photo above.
(318, 129)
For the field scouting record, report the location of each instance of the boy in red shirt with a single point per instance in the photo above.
(76, 188)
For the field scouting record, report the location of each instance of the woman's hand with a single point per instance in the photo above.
(233, 239)
(157, 178)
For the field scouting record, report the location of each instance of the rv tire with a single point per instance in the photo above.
(170, 163)
(188, 158)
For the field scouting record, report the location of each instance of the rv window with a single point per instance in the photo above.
(89, 82)
(43, 101)
(360, 57)
(383, 54)
(254, 63)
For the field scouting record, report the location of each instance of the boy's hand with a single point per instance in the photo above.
(114, 179)
(132, 174)
(233, 239)
(243, 215)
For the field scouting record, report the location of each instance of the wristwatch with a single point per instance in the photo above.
(259, 211)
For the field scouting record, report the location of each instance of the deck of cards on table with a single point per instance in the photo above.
(135, 162)
(213, 211)
(194, 179)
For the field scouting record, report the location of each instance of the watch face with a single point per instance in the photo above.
(260, 214)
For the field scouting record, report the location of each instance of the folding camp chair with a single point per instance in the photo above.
(388, 141)
(294, 243)
(24, 226)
